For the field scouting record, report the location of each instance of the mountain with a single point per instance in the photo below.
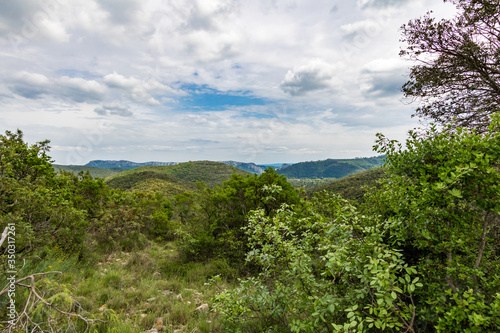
(351, 187)
(331, 168)
(94, 171)
(127, 165)
(250, 167)
(173, 179)
(276, 166)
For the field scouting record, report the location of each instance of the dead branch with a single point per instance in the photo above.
(33, 299)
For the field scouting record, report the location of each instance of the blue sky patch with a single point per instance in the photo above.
(205, 98)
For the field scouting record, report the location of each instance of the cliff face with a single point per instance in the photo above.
(124, 164)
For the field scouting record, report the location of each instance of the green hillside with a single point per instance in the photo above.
(308, 183)
(351, 187)
(331, 168)
(173, 179)
(94, 171)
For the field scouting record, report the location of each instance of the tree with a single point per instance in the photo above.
(323, 268)
(457, 70)
(442, 197)
(216, 219)
(422, 256)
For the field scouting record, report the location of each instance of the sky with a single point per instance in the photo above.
(264, 81)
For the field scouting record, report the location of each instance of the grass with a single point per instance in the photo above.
(135, 292)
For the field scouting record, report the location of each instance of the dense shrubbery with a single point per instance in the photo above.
(75, 214)
(422, 255)
(217, 216)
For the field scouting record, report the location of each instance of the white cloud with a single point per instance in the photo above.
(114, 109)
(368, 4)
(81, 90)
(317, 75)
(34, 85)
(29, 85)
(66, 64)
(116, 80)
(141, 91)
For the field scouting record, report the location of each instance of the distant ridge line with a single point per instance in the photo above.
(125, 164)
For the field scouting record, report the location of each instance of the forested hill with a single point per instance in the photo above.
(173, 179)
(94, 171)
(351, 187)
(250, 167)
(125, 165)
(331, 168)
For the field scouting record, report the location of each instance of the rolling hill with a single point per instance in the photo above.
(173, 179)
(331, 168)
(250, 167)
(125, 165)
(351, 187)
(94, 171)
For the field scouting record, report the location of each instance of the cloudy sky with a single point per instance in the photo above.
(175, 80)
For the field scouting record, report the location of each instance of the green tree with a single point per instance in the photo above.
(442, 196)
(216, 228)
(32, 200)
(457, 72)
(421, 256)
(323, 268)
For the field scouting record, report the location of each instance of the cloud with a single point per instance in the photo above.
(131, 63)
(114, 109)
(383, 85)
(80, 90)
(30, 85)
(383, 78)
(211, 14)
(304, 79)
(380, 4)
(121, 11)
(142, 91)
(33, 20)
(34, 85)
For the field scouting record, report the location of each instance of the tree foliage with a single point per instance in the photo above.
(422, 255)
(218, 214)
(445, 192)
(43, 211)
(457, 70)
(323, 269)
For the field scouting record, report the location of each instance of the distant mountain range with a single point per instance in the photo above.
(126, 165)
(331, 168)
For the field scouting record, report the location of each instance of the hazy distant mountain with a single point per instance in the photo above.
(250, 167)
(277, 166)
(127, 165)
(331, 168)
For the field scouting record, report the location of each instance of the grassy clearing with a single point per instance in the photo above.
(139, 291)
